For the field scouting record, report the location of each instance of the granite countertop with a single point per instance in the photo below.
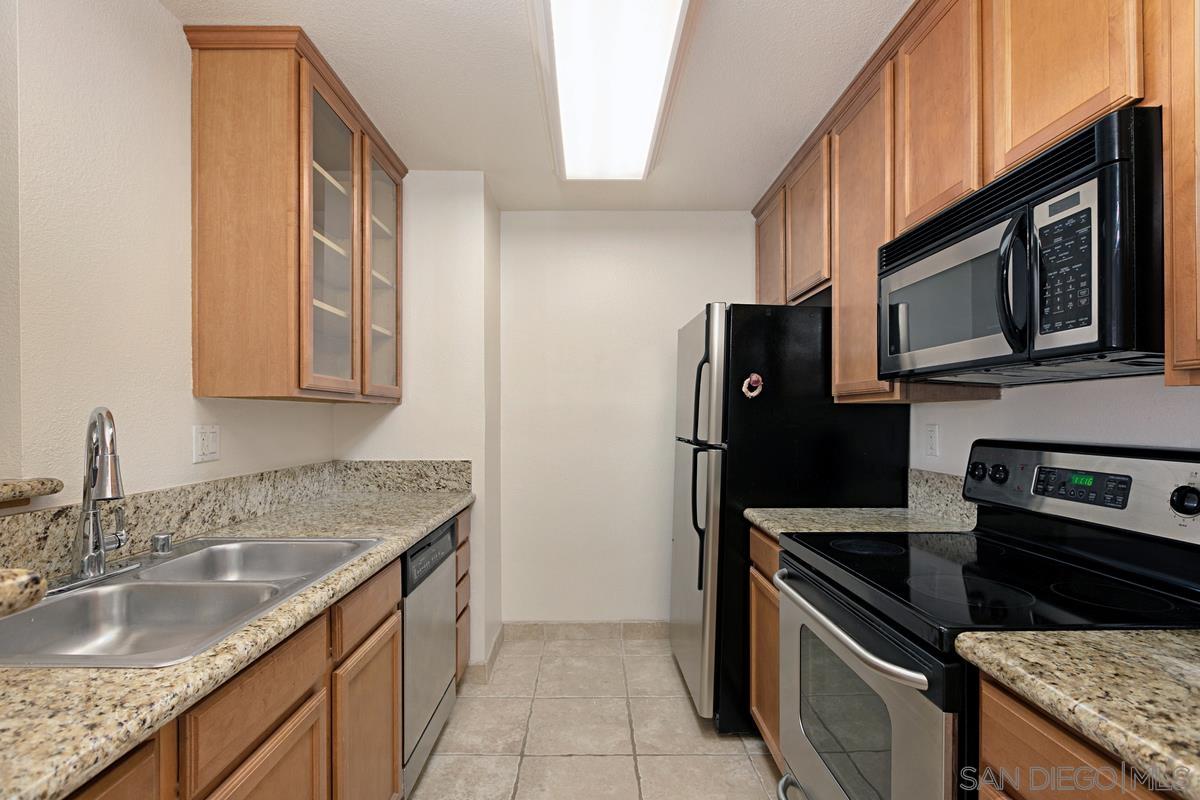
(60, 727)
(851, 520)
(12, 489)
(1134, 693)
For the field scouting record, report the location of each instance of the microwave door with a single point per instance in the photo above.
(961, 304)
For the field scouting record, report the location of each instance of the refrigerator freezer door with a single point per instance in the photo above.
(700, 377)
(694, 550)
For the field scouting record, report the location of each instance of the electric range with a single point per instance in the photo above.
(875, 703)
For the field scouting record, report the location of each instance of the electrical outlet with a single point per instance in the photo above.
(933, 444)
(206, 443)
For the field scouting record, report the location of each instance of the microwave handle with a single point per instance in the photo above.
(1012, 334)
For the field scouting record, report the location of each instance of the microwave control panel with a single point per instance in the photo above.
(1065, 272)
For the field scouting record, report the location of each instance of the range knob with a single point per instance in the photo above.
(998, 473)
(1186, 500)
(977, 470)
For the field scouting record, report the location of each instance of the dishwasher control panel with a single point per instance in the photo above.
(428, 555)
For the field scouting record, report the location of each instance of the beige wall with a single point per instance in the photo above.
(591, 305)
(493, 618)
(105, 256)
(1135, 411)
(446, 394)
(10, 305)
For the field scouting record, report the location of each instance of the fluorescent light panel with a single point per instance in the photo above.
(612, 64)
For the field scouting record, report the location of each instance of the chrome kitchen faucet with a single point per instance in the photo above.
(101, 482)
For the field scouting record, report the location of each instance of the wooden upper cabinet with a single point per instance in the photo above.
(938, 147)
(1053, 67)
(806, 203)
(285, 167)
(330, 293)
(861, 169)
(381, 275)
(770, 252)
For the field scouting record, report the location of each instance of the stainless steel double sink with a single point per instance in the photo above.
(170, 607)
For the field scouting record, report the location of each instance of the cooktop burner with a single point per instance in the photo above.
(937, 585)
(867, 547)
(971, 590)
(1109, 594)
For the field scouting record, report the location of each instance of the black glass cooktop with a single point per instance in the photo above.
(937, 585)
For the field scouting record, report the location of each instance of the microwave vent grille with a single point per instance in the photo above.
(1004, 194)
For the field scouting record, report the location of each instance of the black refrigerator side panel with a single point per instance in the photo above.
(790, 446)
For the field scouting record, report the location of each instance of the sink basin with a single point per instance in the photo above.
(255, 560)
(171, 607)
(126, 624)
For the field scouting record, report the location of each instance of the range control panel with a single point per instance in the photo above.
(1083, 486)
(1148, 490)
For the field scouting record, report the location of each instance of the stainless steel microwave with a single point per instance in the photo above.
(1050, 273)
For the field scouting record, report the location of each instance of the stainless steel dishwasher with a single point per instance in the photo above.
(429, 646)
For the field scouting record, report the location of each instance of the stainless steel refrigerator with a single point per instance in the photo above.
(756, 426)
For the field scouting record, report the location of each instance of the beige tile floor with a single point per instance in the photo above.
(589, 719)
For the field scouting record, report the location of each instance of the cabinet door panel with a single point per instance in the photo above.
(770, 253)
(764, 661)
(381, 276)
(329, 252)
(292, 764)
(1055, 66)
(462, 654)
(807, 210)
(937, 112)
(367, 754)
(861, 166)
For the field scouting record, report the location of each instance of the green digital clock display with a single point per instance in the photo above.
(1082, 479)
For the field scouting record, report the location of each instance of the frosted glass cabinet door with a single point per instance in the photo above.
(381, 277)
(329, 274)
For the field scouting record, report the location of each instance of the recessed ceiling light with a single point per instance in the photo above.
(607, 73)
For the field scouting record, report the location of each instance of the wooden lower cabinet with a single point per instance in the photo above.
(292, 764)
(1020, 743)
(148, 773)
(367, 719)
(764, 660)
(462, 644)
(462, 557)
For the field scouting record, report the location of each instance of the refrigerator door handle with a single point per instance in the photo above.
(696, 522)
(696, 398)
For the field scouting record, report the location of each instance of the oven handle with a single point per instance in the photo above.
(786, 781)
(1008, 326)
(893, 672)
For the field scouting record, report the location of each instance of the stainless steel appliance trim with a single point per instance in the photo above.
(415, 764)
(923, 743)
(430, 639)
(717, 314)
(1089, 197)
(954, 352)
(1148, 510)
(893, 672)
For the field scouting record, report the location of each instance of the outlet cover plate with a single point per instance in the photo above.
(206, 443)
(933, 444)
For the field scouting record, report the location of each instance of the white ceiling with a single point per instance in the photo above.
(453, 85)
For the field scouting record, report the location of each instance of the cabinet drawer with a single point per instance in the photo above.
(147, 773)
(462, 656)
(462, 560)
(462, 594)
(464, 527)
(361, 611)
(293, 764)
(1015, 738)
(223, 729)
(764, 553)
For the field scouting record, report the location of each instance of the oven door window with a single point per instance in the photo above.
(846, 722)
(945, 308)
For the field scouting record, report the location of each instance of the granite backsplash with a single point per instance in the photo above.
(940, 495)
(41, 540)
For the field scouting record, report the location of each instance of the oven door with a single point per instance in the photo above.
(855, 723)
(964, 304)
